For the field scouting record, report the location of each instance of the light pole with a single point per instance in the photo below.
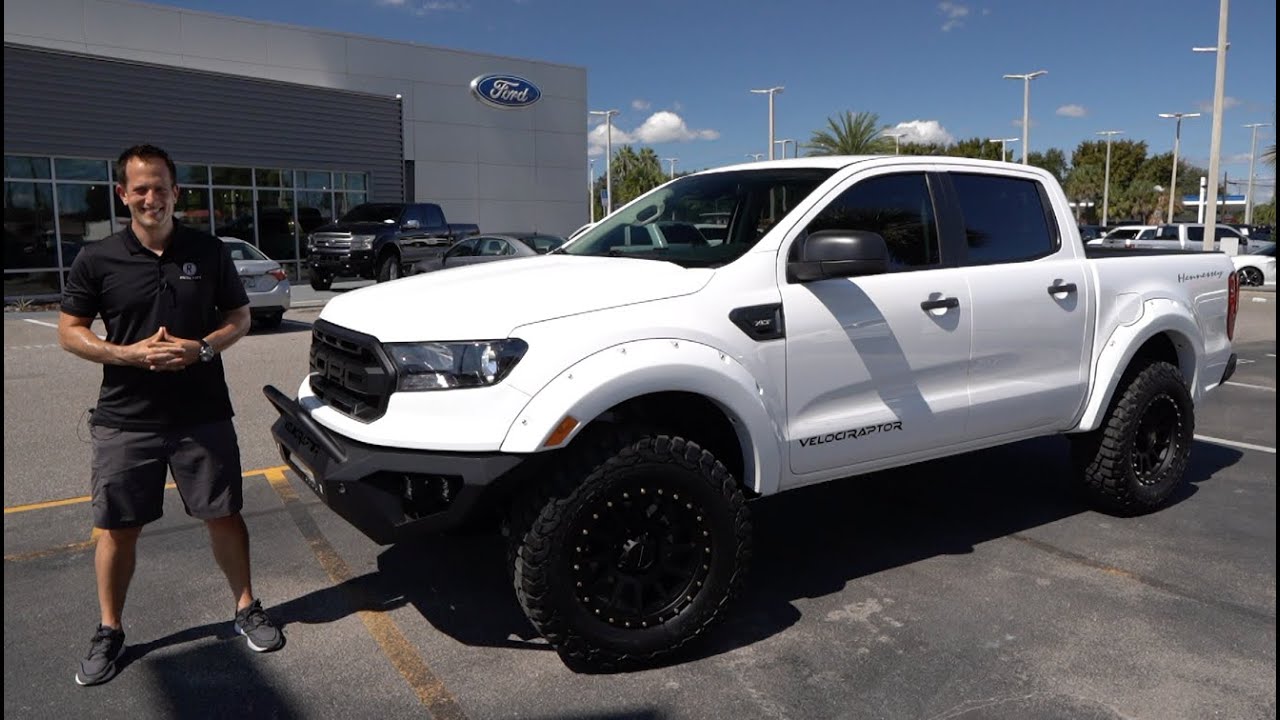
(608, 156)
(755, 156)
(1177, 137)
(1026, 79)
(1215, 142)
(673, 162)
(1106, 183)
(770, 92)
(591, 187)
(783, 143)
(1253, 153)
(897, 140)
(1002, 141)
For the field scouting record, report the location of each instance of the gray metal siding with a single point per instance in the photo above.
(58, 103)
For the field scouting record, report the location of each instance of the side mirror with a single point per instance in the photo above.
(838, 253)
(411, 225)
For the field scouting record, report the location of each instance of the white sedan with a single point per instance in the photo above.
(265, 282)
(1258, 267)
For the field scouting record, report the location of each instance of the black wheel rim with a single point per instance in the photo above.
(642, 553)
(1155, 444)
(1251, 277)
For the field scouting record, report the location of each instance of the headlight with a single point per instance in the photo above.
(362, 242)
(440, 366)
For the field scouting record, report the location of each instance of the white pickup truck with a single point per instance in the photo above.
(620, 400)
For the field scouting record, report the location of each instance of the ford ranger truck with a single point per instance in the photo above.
(378, 241)
(619, 400)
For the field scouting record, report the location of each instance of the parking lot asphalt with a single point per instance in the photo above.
(976, 587)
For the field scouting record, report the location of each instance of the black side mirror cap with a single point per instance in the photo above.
(838, 253)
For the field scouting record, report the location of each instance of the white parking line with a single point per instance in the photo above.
(1235, 444)
(1252, 387)
(41, 322)
(1271, 354)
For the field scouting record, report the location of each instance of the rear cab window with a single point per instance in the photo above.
(1006, 219)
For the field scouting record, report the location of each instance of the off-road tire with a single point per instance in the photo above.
(321, 282)
(704, 531)
(1138, 458)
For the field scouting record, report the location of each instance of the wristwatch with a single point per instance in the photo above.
(206, 351)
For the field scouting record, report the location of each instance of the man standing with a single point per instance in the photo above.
(172, 302)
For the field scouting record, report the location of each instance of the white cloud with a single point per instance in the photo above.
(1228, 102)
(640, 104)
(924, 132)
(1075, 111)
(955, 14)
(420, 8)
(661, 127)
(393, 3)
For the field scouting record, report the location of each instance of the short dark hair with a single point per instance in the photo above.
(145, 152)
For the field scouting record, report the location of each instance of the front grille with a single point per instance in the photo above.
(350, 372)
(331, 241)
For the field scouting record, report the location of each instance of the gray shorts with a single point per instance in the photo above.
(130, 468)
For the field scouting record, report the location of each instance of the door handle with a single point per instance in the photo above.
(943, 304)
(1062, 288)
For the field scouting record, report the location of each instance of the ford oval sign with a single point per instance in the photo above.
(505, 91)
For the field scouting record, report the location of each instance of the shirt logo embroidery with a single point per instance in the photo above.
(189, 271)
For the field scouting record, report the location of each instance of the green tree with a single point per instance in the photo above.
(981, 148)
(635, 173)
(849, 134)
(1052, 160)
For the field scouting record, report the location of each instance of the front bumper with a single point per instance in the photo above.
(389, 494)
(354, 262)
(273, 300)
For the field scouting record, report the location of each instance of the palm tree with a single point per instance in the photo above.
(849, 134)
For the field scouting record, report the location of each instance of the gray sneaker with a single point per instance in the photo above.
(253, 623)
(105, 649)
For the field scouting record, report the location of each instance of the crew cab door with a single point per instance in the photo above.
(1031, 304)
(877, 365)
(423, 232)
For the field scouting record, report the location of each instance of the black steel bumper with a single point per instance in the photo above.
(388, 494)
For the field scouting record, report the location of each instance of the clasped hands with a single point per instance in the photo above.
(164, 352)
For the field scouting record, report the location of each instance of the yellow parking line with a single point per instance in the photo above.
(86, 498)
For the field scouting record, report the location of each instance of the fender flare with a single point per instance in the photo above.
(1160, 316)
(629, 370)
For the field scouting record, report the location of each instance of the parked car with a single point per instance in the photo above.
(1125, 236)
(380, 240)
(618, 408)
(1091, 232)
(265, 282)
(487, 248)
(1187, 236)
(1258, 267)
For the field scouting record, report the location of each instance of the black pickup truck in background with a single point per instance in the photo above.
(379, 240)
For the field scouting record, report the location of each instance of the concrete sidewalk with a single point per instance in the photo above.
(304, 296)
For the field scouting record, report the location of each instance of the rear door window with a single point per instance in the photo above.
(1005, 218)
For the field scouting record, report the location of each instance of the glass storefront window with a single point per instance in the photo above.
(356, 181)
(314, 180)
(21, 166)
(346, 201)
(192, 208)
(274, 178)
(31, 284)
(75, 169)
(242, 177)
(276, 225)
(84, 216)
(233, 214)
(29, 234)
(193, 174)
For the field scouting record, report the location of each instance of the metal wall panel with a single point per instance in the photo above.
(58, 103)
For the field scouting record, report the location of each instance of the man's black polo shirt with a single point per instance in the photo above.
(186, 290)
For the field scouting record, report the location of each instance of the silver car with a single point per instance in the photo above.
(264, 280)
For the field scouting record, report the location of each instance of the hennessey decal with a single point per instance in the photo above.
(1182, 277)
(851, 434)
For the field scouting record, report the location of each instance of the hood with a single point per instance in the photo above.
(360, 228)
(488, 301)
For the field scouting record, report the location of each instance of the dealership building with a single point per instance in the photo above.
(275, 129)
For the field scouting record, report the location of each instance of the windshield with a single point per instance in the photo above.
(1123, 233)
(373, 213)
(701, 220)
(241, 250)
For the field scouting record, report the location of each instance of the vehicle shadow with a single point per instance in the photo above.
(809, 543)
(286, 327)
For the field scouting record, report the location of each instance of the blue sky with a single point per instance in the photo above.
(680, 71)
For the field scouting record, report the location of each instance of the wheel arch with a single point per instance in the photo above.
(1160, 335)
(676, 386)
